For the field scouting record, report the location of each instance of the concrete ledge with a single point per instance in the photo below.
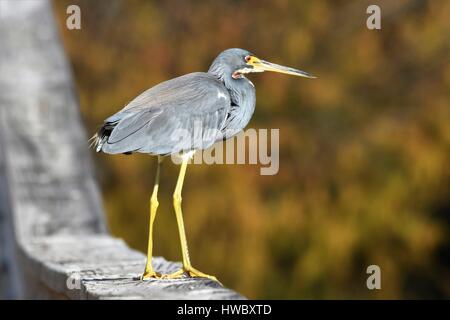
(102, 267)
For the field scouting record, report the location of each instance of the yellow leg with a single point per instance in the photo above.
(187, 267)
(149, 272)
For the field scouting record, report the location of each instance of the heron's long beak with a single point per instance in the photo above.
(261, 66)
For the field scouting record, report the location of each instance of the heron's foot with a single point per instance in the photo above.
(150, 274)
(190, 272)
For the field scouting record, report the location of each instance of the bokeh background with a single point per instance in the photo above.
(364, 149)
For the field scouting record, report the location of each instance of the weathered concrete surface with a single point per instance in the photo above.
(54, 240)
(101, 267)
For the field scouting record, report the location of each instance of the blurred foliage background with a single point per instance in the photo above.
(364, 149)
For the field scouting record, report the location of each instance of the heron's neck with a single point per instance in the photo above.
(243, 99)
(238, 88)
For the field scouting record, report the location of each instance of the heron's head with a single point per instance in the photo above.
(238, 62)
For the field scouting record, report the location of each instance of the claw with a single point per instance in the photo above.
(151, 275)
(190, 272)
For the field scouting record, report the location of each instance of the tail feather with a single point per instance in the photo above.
(102, 135)
(93, 141)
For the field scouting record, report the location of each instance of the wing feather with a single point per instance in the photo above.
(181, 114)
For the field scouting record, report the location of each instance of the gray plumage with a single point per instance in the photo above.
(190, 112)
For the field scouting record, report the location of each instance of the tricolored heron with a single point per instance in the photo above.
(221, 102)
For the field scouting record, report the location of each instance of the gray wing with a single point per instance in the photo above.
(185, 113)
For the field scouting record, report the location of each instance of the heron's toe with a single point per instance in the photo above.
(194, 273)
(189, 272)
(151, 275)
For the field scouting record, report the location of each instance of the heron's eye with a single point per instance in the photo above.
(247, 58)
